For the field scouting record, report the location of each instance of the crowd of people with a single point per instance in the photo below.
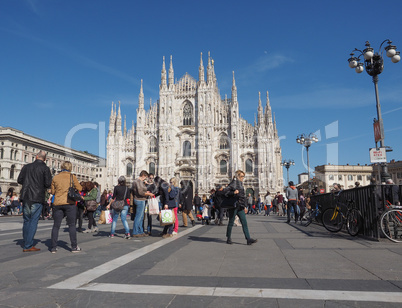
(62, 196)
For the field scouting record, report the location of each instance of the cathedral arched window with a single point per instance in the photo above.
(152, 145)
(186, 148)
(151, 168)
(1, 153)
(249, 166)
(129, 169)
(223, 167)
(223, 142)
(188, 114)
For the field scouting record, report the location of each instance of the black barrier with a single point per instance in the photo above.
(369, 200)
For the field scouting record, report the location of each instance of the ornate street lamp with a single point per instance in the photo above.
(374, 65)
(287, 163)
(307, 141)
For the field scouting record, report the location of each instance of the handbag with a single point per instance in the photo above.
(73, 194)
(91, 205)
(108, 217)
(153, 206)
(167, 217)
(118, 205)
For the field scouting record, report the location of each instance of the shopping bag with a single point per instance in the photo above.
(102, 218)
(167, 217)
(153, 206)
(108, 217)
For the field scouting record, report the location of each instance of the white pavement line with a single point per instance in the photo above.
(363, 296)
(92, 274)
(20, 231)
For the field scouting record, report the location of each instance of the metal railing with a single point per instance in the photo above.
(369, 200)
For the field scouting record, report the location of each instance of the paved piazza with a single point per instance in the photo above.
(290, 266)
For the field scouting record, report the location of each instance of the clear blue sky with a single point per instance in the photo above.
(62, 63)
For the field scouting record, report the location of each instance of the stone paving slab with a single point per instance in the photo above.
(286, 257)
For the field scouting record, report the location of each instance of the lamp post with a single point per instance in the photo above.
(287, 163)
(307, 141)
(374, 65)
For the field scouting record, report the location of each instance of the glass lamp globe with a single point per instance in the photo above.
(359, 68)
(368, 54)
(396, 58)
(390, 51)
(352, 63)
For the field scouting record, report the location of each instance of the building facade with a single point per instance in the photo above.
(345, 175)
(193, 134)
(18, 149)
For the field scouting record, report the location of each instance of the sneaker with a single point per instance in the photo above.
(174, 233)
(76, 249)
(54, 250)
(95, 229)
(126, 236)
(251, 241)
(87, 231)
(111, 235)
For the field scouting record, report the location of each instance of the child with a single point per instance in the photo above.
(206, 214)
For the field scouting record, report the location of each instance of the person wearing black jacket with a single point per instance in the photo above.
(186, 202)
(218, 196)
(236, 190)
(35, 178)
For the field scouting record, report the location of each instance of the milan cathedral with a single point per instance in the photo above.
(193, 134)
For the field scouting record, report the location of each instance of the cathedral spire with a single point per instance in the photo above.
(141, 98)
(209, 70)
(234, 89)
(171, 73)
(163, 74)
(268, 110)
(260, 110)
(118, 120)
(201, 76)
(112, 120)
(125, 127)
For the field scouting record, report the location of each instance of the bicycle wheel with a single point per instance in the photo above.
(353, 222)
(332, 220)
(391, 225)
(307, 218)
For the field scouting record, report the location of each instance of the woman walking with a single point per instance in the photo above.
(121, 193)
(236, 190)
(170, 201)
(62, 206)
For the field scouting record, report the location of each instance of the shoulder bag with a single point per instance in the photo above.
(73, 194)
(118, 205)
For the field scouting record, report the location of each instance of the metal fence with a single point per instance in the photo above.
(369, 200)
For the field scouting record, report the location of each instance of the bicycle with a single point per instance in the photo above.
(308, 217)
(391, 222)
(333, 219)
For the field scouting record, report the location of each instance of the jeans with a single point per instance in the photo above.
(139, 217)
(31, 216)
(242, 216)
(80, 217)
(292, 204)
(123, 216)
(59, 211)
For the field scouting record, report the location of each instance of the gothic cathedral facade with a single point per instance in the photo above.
(193, 134)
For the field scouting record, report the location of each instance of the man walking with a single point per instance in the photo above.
(35, 178)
